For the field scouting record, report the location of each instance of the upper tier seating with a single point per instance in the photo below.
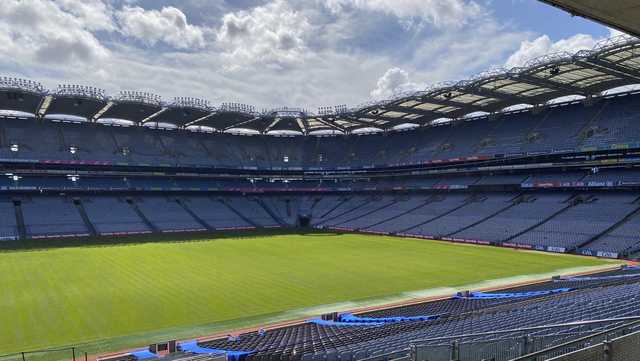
(608, 123)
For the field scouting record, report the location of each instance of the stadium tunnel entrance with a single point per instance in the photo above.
(304, 221)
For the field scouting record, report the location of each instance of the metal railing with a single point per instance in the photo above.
(585, 343)
(623, 348)
(583, 340)
(51, 354)
(521, 344)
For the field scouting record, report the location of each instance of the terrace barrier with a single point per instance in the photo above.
(528, 344)
(52, 354)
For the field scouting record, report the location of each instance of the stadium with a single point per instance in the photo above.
(493, 218)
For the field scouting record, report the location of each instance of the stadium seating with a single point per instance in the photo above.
(436, 207)
(362, 216)
(604, 125)
(181, 180)
(47, 216)
(166, 214)
(528, 212)
(8, 225)
(111, 215)
(608, 295)
(621, 239)
(473, 211)
(580, 223)
(540, 219)
(252, 210)
(558, 221)
(215, 213)
(285, 209)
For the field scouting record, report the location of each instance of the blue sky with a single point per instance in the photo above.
(268, 53)
(545, 19)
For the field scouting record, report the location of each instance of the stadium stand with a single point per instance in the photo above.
(166, 214)
(527, 212)
(113, 215)
(214, 213)
(567, 128)
(252, 210)
(438, 207)
(580, 223)
(47, 216)
(556, 301)
(9, 226)
(473, 211)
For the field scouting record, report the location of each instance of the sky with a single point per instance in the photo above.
(272, 53)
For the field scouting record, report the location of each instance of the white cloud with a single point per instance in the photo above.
(440, 13)
(394, 81)
(278, 53)
(168, 25)
(543, 45)
(457, 55)
(93, 14)
(41, 31)
(274, 35)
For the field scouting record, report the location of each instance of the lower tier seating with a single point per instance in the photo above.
(605, 221)
(587, 298)
(48, 216)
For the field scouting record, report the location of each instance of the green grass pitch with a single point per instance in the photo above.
(130, 294)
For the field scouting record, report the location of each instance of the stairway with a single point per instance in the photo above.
(345, 212)
(593, 119)
(572, 203)
(467, 202)
(232, 209)
(607, 231)
(85, 217)
(144, 218)
(333, 208)
(200, 221)
(368, 213)
(271, 213)
(63, 146)
(513, 204)
(22, 229)
(428, 201)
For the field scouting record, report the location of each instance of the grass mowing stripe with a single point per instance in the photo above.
(135, 292)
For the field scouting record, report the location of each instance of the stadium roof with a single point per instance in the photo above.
(611, 64)
(619, 14)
